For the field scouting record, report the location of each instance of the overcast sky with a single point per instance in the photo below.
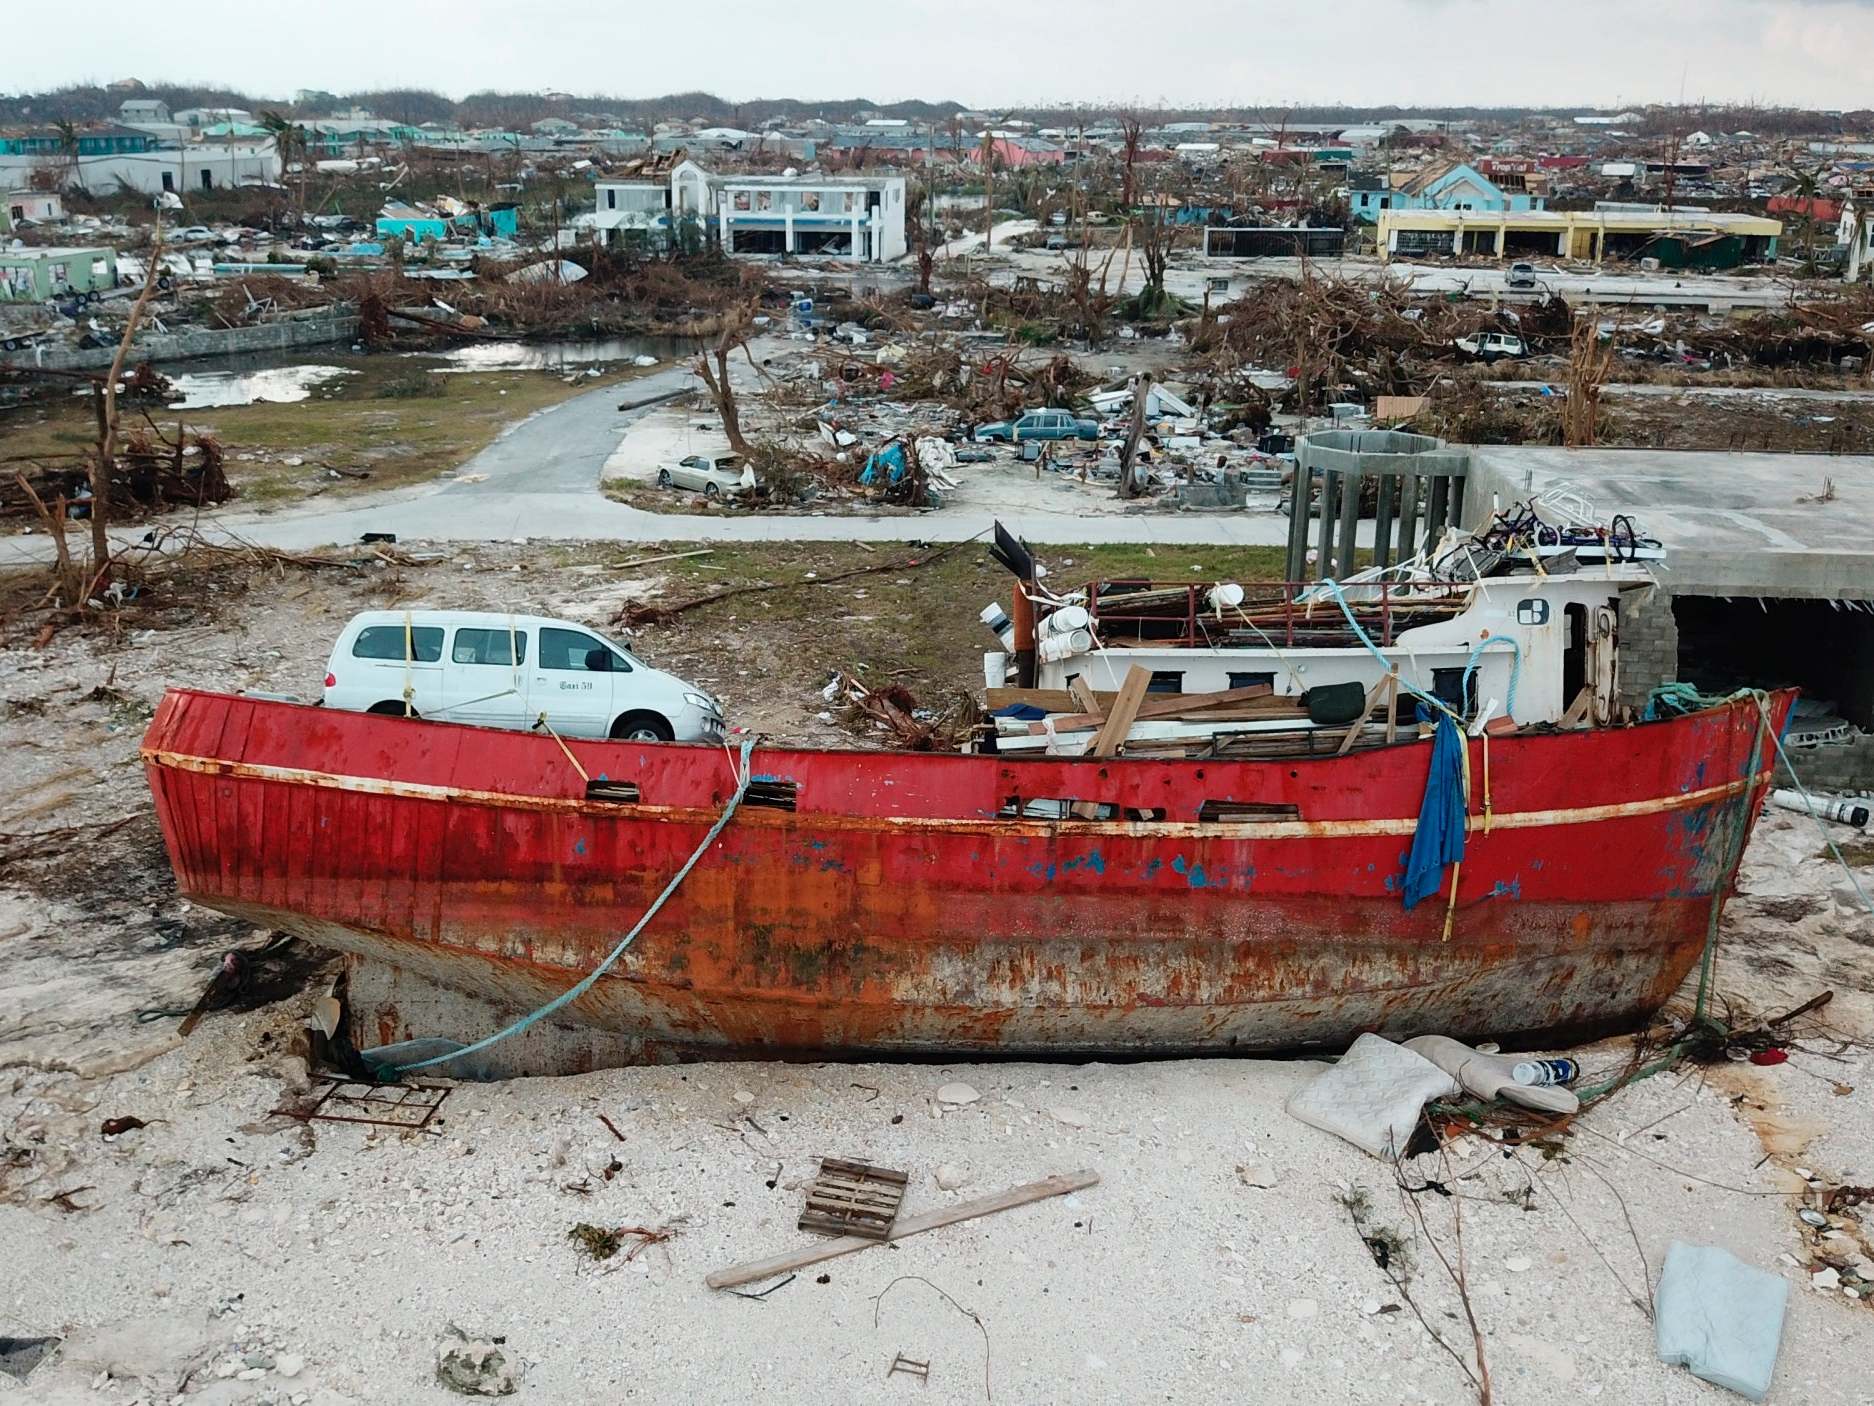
(1261, 53)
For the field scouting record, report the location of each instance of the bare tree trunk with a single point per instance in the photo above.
(53, 518)
(106, 461)
(734, 334)
(1129, 485)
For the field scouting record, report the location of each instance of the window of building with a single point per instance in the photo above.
(1166, 681)
(387, 642)
(611, 200)
(1252, 679)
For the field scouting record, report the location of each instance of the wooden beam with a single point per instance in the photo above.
(1170, 706)
(905, 1225)
(1116, 728)
(1358, 726)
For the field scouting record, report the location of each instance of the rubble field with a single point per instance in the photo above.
(213, 1251)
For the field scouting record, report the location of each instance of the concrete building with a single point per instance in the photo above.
(181, 169)
(1444, 185)
(1726, 239)
(633, 214)
(1768, 578)
(101, 139)
(40, 206)
(35, 275)
(132, 111)
(856, 217)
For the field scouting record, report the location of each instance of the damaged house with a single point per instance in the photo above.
(859, 217)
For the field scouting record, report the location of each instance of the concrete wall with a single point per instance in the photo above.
(1845, 769)
(1649, 644)
(181, 346)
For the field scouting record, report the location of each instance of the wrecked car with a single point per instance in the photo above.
(712, 475)
(1492, 346)
(1040, 424)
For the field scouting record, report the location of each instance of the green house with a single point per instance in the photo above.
(36, 275)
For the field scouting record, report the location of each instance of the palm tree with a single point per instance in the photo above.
(1808, 191)
(68, 151)
(289, 140)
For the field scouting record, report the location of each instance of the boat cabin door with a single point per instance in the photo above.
(1588, 660)
(1603, 670)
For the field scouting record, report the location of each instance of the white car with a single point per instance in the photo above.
(496, 670)
(712, 475)
(1492, 346)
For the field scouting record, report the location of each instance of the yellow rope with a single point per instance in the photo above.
(544, 726)
(409, 662)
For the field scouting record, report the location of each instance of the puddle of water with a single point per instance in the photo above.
(279, 385)
(570, 355)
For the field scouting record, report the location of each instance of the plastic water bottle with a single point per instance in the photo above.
(1536, 1073)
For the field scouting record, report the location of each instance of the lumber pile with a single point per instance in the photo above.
(1241, 723)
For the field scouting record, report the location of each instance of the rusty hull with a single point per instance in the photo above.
(893, 913)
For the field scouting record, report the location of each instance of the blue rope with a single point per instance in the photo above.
(1516, 663)
(571, 994)
(1516, 670)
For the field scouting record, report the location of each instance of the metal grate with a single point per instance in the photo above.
(408, 1106)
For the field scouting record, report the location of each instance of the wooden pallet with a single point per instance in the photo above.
(852, 1198)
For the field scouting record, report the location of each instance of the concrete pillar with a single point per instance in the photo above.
(1503, 233)
(854, 225)
(722, 230)
(787, 242)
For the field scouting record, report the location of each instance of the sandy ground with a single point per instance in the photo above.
(225, 1254)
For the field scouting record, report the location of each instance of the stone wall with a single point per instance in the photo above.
(182, 346)
(1841, 769)
(1649, 644)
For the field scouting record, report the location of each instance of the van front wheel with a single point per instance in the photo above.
(642, 727)
(393, 707)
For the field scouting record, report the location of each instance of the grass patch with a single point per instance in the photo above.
(916, 625)
(1858, 853)
(383, 421)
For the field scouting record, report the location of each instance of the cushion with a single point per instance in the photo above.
(1720, 1318)
(1372, 1095)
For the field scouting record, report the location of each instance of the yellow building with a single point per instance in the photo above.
(1678, 239)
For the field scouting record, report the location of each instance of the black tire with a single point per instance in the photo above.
(392, 708)
(663, 478)
(712, 489)
(642, 726)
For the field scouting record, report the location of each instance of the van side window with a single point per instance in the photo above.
(474, 646)
(387, 641)
(578, 653)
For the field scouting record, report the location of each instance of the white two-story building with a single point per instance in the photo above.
(861, 218)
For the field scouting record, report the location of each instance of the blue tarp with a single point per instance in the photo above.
(1439, 839)
(890, 458)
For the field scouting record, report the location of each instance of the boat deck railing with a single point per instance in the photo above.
(1286, 613)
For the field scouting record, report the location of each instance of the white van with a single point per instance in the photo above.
(496, 670)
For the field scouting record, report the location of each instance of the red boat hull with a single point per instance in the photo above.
(893, 912)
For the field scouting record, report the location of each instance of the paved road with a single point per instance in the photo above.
(540, 480)
(1650, 388)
